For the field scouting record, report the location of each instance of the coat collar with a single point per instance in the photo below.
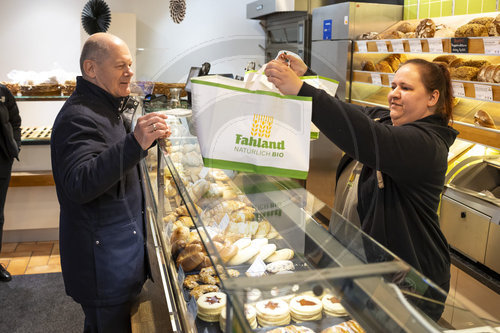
(86, 87)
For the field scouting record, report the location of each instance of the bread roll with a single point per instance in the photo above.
(482, 118)
(228, 251)
(471, 30)
(445, 58)
(190, 262)
(425, 29)
(368, 66)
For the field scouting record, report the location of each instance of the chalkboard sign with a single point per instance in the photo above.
(460, 45)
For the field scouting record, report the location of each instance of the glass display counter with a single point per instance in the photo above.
(247, 252)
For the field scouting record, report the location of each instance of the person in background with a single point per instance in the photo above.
(391, 177)
(10, 144)
(95, 162)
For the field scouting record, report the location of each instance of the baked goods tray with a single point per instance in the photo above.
(35, 135)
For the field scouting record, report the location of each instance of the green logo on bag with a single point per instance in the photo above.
(258, 142)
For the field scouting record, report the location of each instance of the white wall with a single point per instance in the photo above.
(45, 35)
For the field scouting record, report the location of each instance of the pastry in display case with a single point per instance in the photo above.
(245, 253)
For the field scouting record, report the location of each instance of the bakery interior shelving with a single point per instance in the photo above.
(371, 81)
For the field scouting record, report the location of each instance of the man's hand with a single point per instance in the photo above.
(283, 77)
(149, 128)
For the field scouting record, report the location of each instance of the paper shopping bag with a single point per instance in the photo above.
(251, 130)
(257, 80)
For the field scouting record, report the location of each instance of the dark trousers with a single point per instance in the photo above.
(5, 170)
(108, 319)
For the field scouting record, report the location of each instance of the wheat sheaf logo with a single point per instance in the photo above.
(261, 126)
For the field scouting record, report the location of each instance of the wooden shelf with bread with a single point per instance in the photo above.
(468, 44)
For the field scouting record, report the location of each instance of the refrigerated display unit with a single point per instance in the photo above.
(334, 29)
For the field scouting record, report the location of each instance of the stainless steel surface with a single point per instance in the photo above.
(470, 214)
(465, 229)
(332, 59)
(288, 31)
(492, 259)
(350, 19)
(261, 8)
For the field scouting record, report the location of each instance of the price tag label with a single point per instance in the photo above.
(376, 79)
(391, 78)
(203, 172)
(415, 45)
(397, 46)
(381, 46)
(362, 46)
(180, 277)
(483, 92)
(224, 223)
(192, 308)
(258, 268)
(458, 89)
(492, 45)
(459, 45)
(435, 45)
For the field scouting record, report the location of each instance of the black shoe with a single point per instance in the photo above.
(4, 275)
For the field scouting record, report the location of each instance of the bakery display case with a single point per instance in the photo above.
(469, 45)
(248, 253)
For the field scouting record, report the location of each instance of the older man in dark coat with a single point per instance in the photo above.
(95, 166)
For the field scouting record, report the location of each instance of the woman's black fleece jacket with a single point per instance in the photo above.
(412, 158)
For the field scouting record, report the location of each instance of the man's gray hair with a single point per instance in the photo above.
(93, 49)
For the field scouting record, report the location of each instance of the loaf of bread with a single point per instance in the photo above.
(492, 29)
(394, 62)
(496, 75)
(392, 35)
(466, 73)
(486, 73)
(406, 27)
(471, 30)
(456, 63)
(481, 20)
(475, 63)
(496, 22)
(384, 67)
(368, 66)
(425, 29)
(482, 118)
(401, 57)
(445, 58)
